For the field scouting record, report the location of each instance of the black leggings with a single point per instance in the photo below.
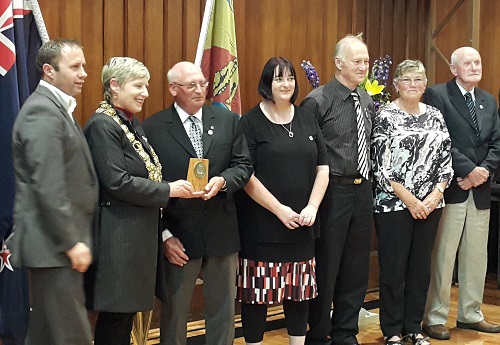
(113, 328)
(253, 318)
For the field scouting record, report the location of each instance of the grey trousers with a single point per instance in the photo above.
(219, 292)
(58, 314)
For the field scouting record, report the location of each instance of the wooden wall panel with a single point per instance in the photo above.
(489, 47)
(154, 54)
(161, 33)
(92, 38)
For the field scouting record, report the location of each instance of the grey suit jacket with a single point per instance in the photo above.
(56, 184)
(468, 152)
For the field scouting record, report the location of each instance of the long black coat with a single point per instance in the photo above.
(122, 279)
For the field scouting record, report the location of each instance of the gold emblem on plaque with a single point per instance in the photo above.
(198, 173)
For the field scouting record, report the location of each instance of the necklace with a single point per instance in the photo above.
(268, 110)
(290, 133)
(153, 167)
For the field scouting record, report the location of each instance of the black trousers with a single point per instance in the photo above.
(342, 262)
(253, 318)
(113, 328)
(404, 253)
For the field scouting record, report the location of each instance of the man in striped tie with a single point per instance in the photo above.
(472, 119)
(344, 113)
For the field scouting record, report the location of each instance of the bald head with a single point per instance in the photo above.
(187, 85)
(182, 68)
(466, 66)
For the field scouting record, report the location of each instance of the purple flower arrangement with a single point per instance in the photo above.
(311, 73)
(376, 84)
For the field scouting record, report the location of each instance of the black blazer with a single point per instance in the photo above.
(205, 228)
(466, 151)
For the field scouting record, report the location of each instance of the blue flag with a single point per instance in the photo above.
(20, 41)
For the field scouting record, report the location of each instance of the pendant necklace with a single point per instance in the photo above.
(290, 133)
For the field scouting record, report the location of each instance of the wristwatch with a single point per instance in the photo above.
(439, 188)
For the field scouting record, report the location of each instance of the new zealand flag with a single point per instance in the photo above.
(21, 32)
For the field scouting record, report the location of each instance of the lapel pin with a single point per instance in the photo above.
(211, 127)
(310, 137)
(210, 132)
(480, 106)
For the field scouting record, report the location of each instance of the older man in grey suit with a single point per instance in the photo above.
(471, 116)
(56, 195)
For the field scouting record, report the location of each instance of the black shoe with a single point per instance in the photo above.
(416, 340)
(312, 341)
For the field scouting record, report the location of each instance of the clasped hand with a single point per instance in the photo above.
(420, 209)
(293, 220)
(475, 178)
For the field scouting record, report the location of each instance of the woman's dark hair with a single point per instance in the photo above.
(266, 79)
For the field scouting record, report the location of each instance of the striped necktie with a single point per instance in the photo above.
(195, 136)
(472, 110)
(363, 163)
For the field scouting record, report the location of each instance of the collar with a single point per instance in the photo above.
(464, 91)
(342, 90)
(184, 116)
(127, 113)
(67, 101)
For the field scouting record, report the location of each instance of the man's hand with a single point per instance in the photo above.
(213, 187)
(174, 251)
(478, 176)
(464, 183)
(80, 257)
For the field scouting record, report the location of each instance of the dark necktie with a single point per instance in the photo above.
(195, 136)
(472, 110)
(363, 163)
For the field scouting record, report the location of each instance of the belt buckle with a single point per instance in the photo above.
(358, 180)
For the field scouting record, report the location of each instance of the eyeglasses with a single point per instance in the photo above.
(192, 86)
(280, 80)
(416, 81)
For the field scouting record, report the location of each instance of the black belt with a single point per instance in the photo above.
(347, 180)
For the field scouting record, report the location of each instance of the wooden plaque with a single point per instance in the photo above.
(198, 173)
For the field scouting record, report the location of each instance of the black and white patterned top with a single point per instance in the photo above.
(411, 150)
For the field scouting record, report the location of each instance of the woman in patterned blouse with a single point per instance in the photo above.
(412, 166)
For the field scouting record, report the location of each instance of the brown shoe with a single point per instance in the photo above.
(481, 326)
(437, 331)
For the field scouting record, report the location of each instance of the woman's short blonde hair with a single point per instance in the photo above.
(123, 69)
(409, 66)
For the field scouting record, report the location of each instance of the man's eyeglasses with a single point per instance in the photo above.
(192, 86)
(416, 81)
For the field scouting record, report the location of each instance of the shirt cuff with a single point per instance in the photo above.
(166, 234)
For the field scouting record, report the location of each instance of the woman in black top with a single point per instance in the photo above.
(277, 211)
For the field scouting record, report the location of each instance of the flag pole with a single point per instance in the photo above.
(209, 5)
(40, 24)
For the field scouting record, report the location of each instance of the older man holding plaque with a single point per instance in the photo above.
(202, 142)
